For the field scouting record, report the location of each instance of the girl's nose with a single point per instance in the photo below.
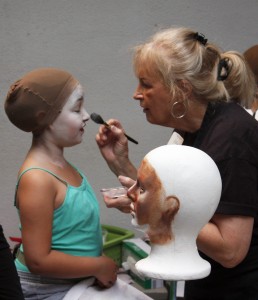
(86, 116)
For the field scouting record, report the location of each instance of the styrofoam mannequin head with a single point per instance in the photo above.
(176, 194)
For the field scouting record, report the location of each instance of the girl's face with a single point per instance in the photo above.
(68, 127)
(154, 98)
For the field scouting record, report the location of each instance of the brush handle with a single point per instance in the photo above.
(128, 137)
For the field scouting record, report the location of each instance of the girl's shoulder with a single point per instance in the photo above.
(38, 175)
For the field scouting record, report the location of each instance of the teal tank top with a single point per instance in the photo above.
(76, 226)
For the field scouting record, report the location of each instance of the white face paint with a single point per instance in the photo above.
(68, 127)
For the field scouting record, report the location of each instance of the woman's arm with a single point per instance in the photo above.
(226, 239)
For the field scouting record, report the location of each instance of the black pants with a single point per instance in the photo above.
(10, 287)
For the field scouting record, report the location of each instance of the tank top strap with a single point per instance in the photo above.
(36, 168)
(77, 169)
(45, 170)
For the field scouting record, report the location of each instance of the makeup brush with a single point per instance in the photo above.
(98, 119)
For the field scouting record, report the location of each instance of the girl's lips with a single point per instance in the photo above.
(82, 128)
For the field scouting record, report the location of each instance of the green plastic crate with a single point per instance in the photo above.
(113, 242)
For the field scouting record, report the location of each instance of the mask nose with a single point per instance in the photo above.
(132, 192)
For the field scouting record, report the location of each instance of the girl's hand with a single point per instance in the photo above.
(107, 275)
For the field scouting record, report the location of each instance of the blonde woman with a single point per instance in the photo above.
(188, 83)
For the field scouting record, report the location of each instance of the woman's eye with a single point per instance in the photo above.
(145, 84)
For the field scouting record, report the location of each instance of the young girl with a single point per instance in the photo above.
(59, 212)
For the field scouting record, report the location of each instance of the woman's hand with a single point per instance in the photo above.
(113, 146)
(123, 203)
(112, 142)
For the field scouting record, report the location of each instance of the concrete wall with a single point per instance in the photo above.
(92, 39)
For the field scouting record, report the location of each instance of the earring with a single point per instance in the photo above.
(176, 115)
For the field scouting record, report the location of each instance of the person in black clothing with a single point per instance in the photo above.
(251, 56)
(190, 85)
(10, 287)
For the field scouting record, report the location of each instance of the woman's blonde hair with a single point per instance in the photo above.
(178, 54)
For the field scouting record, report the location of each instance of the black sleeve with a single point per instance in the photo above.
(10, 286)
(239, 188)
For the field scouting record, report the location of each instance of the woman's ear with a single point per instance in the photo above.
(186, 87)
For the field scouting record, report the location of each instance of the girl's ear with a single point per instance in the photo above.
(40, 116)
(170, 209)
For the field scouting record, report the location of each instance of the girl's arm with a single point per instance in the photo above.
(37, 197)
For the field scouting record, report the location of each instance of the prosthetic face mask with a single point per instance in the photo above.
(177, 192)
(152, 206)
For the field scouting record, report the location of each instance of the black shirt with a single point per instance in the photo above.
(3, 242)
(230, 136)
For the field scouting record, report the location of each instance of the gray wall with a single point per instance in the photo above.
(92, 39)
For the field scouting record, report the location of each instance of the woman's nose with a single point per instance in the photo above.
(137, 95)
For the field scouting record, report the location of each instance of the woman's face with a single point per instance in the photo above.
(154, 98)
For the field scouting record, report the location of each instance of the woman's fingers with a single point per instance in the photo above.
(126, 181)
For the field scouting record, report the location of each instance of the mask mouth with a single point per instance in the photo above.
(134, 222)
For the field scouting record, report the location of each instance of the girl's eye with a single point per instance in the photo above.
(141, 190)
(77, 110)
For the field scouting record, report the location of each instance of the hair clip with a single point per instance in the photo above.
(223, 69)
(200, 38)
